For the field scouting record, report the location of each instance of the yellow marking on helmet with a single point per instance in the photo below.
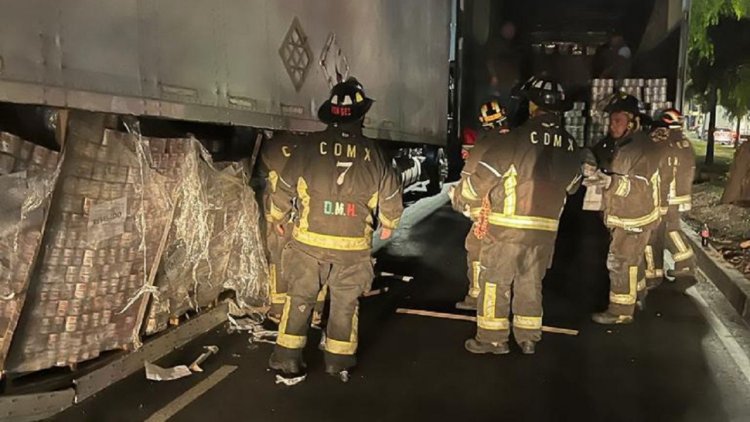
(358, 97)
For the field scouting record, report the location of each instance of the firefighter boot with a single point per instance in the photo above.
(608, 318)
(683, 280)
(477, 347)
(288, 362)
(528, 347)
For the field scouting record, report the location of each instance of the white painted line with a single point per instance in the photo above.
(190, 395)
(736, 352)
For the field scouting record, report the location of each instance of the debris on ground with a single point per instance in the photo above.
(404, 278)
(376, 292)
(157, 373)
(445, 315)
(290, 381)
(210, 350)
(729, 225)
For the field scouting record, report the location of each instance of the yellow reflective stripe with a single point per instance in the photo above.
(322, 293)
(664, 210)
(656, 185)
(289, 341)
(527, 322)
(339, 243)
(641, 285)
(654, 273)
(630, 297)
(684, 256)
(273, 179)
(468, 192)
(276, 214)
(346, 347)
(677, 239)
(680, 200)
(626, 223)
(302, 234)
(523, 222)
(509, 184)
(623, 186)
(685, 207)
(685, 252)
(373, 202)
(475, 213)
(650, 264)
(388, 223)
(476, 267)
(276, 297)
(487, 320)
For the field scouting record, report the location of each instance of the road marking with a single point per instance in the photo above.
(190, 395)
(725, 336)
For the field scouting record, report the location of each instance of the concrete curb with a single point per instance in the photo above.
(732, 283)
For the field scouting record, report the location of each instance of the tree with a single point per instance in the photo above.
(719, 44)
(736, 99)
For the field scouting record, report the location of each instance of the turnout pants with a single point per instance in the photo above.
(668, 236)
(518, 269)
(346, 283)
(473, 248)
(278, 284)
(626, 270)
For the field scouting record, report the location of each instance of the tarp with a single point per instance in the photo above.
(27, 177)
(737, 190)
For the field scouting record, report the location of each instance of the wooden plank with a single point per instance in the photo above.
(459, 317)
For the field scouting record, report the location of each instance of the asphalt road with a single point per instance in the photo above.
(670, 365)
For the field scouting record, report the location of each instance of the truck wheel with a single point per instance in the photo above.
(436, 169)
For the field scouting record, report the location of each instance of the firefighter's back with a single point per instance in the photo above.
(337, 190)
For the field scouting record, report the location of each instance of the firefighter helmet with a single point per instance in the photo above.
(671, 117)
(547, 94)
(492, 114)
(347, 103)
(622, 102)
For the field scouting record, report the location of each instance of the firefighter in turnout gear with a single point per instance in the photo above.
(493, 118)
(677, 171)
(521, 183)
(275, 153)
(629, 176)
(341, 181)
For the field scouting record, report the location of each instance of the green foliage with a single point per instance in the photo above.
(706, 13)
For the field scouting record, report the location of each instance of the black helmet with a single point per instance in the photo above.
(492, 114)
(347, 103)
(548, 94)
(622, 102)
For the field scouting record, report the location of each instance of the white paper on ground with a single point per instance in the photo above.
(157, 373)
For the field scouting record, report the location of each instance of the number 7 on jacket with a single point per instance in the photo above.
(346, 167)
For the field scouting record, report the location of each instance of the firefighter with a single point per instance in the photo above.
(493, 118)
(676, 171)
(275, 152)
(629, 175)
(521, 184)
(341, 181)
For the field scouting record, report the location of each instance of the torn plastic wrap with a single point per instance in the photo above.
(106, 229)
(247, 271)
(214, 242)
(27, 177)
(187, 242)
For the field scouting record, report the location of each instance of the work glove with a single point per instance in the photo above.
(598, 179)
(588, 170)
